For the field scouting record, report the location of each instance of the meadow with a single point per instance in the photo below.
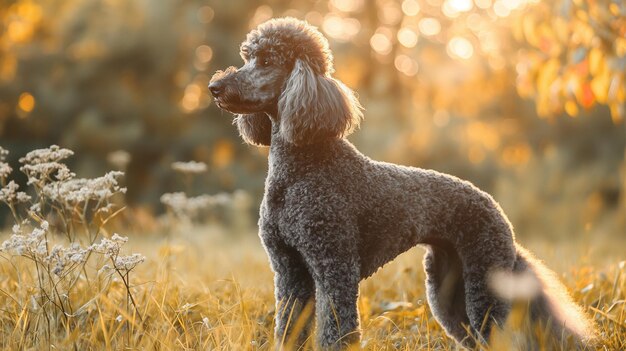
(72, 282)
(126, 243)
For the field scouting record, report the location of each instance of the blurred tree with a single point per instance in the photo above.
(575, 56)
(441, 81)
(121, 75)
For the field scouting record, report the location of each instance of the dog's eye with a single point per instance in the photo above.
(264, 62)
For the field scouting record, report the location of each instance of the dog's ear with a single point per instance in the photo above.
(255, 129)
(313, 107)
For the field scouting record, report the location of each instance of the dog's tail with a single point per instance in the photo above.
(549, 300)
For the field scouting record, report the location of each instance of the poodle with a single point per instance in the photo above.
(331, 217)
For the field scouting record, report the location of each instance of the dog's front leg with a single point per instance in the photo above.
(336, 273)
(294, 293)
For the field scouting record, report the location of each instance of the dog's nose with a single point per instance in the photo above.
(216, 88)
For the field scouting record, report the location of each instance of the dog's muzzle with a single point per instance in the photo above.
(217, 88)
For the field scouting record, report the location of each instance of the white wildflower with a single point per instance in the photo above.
(5, 170)
(191, 167)
(23, 197)
(119, 318)
(184, 206)
(76, 191)
(41, 250)
(52, 154)
(8, 194)
(186, 306)
(33, 245)
(78, 257)
(40, 164)
(62, 257)
(3, 153)
(58, 269)
(64, 174)
(119, 239)
(35, 208)
(119, 159)
(55, 250)
(107, 247)
(205, 322)
(110, 247)
(220, 199)
(128, 263)
(107, 208)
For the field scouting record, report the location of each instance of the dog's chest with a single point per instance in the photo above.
(274, 199)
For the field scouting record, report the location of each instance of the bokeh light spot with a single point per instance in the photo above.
(342, 29)
(500, 9)
(512, 4)
(429, 26)
(223, 153)
(26, 102)
(381, 43)
(204, 53)
(410, 7)
(205, 14)
(262, 14)
(315, 18)
(449, 11)
(406, 65)
(191, 98)
(483, 4)
(407, 37)
(460, 47)
(347, 5)
(460, 5)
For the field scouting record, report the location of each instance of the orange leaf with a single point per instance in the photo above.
(571, 108)
(587, 99)
(617, 112)
(596, 60)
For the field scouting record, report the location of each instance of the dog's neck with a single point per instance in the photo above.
(279, 140)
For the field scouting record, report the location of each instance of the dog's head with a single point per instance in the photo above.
(287, 74)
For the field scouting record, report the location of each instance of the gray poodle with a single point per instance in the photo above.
(331, 216)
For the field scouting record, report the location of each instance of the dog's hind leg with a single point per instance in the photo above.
(445, 289)
(480, 258)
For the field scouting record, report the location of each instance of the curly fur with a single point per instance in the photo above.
(255, 129)
(313, 107)
(331, 216)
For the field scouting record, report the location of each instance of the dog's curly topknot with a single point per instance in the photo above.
(287, 39)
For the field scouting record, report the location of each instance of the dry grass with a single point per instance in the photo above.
(213, 290)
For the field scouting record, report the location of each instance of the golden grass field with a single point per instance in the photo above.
(480, 89)
(207, 288)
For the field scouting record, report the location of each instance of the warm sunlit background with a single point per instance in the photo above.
(525, 98)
